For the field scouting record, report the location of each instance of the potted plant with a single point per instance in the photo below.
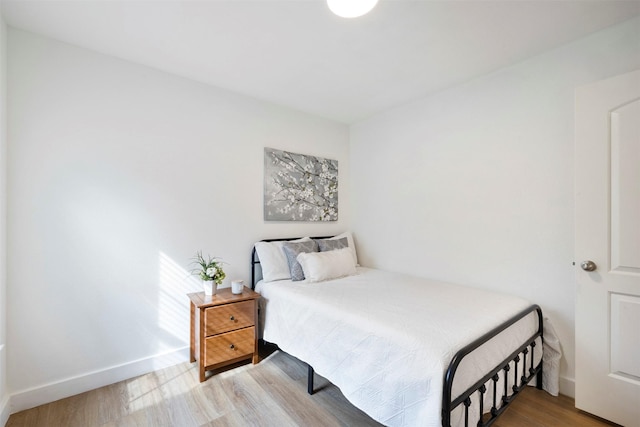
(210, 272)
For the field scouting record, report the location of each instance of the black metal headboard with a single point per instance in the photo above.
(255, 261)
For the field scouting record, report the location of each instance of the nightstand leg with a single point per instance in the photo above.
(256, 356)
(202, 344)
(192, 343)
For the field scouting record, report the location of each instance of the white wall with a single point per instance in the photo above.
(117, 175)
(4, 407)
(478, 180)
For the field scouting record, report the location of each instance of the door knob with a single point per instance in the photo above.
(588, 265)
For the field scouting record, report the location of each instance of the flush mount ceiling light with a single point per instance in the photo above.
(351, 8)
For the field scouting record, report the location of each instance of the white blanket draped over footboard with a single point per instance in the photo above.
(386, 339)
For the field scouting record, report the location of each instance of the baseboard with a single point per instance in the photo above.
(5, 407)
(568, 387)
(5, 410)
(69, 387)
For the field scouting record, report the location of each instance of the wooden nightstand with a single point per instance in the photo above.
(227, 325)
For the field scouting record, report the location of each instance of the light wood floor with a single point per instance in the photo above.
(271, 393)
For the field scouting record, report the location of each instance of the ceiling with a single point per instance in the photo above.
(297, 54)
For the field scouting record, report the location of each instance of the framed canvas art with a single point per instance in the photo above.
(298, 187)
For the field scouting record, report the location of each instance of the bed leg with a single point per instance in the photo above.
(310, 380)
(539, 378)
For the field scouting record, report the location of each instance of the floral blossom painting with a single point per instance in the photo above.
(298, 187)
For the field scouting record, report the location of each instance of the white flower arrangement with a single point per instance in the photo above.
(210, 269)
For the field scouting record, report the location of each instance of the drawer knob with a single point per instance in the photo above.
(232, 318)
(232, 346)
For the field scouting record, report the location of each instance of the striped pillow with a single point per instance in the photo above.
(292, 250)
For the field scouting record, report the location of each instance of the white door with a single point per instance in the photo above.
(608, 244)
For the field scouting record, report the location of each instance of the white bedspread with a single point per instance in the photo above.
(386, 339)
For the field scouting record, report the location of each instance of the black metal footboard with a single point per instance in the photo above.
(479, 389)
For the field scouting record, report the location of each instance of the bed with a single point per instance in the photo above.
(407, 351)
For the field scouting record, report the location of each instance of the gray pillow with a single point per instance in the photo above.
(291, 250)
(326, 245)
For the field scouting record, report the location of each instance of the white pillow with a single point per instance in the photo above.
(319, 266)
(273, 260)
(352, 246)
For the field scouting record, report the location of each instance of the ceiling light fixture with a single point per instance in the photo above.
(351, 8)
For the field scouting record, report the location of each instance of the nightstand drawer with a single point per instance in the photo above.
(229, 317)
(230, 345)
